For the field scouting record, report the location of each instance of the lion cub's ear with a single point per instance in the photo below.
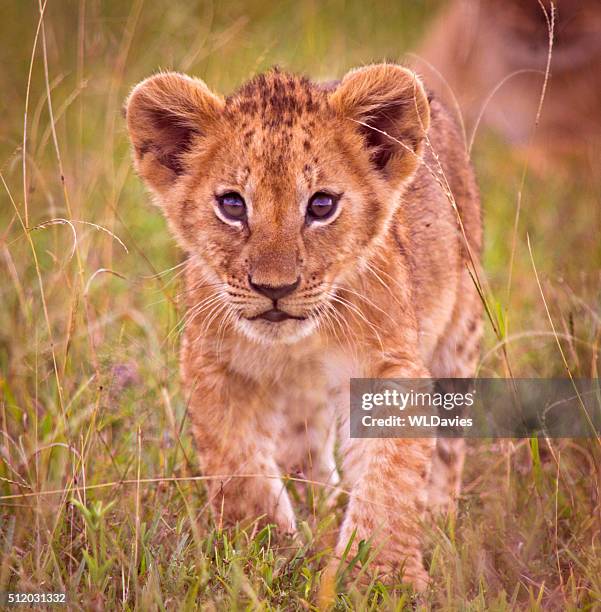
(391, 111)
(166, 114)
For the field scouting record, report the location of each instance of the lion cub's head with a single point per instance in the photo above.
(280, 189)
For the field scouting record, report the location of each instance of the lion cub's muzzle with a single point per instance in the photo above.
(275, 314)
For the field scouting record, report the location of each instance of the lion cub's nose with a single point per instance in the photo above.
(274, 293)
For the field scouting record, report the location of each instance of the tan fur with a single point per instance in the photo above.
(384, 286)
(474, 45)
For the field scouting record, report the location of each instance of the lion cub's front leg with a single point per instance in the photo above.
(388, 481)
(235, 440)
(387, 504)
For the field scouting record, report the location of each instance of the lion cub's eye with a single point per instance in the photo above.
(232, 206)
(321, 206)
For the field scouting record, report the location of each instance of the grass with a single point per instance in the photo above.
(99, 488)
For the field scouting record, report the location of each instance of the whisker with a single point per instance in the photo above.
(367, 301)
(353, 342)
(164, 272)
(193, 312)
(223, 328)
(371, 267)
(210, 318)
(353, 308)
(216, 307)
(324, 317)
(197, 286)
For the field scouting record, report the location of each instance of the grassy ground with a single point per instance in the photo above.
(96, 462)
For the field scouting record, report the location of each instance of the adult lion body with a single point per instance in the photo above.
(494, 57)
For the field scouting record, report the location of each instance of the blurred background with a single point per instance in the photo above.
(90, 401)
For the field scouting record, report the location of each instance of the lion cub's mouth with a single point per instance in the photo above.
(275, 315)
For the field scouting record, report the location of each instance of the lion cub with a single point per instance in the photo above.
(322, 245)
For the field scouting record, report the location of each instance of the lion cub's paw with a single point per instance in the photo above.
(247, 499)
